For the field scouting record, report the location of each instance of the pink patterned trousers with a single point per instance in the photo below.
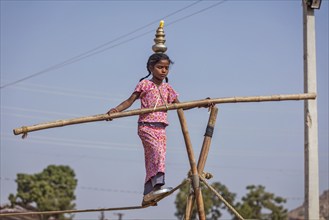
(154, 141)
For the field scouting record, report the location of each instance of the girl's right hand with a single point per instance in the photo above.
(209, 106)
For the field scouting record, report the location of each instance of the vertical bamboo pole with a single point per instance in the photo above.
(310, 117)
(195, 175)
(203, 156)
(189, 205)
(207, 139)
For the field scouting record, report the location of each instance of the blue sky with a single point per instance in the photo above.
(220, 49)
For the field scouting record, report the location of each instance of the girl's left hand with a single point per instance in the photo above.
(112, 110)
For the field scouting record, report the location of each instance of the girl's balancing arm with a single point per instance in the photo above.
(125, 104)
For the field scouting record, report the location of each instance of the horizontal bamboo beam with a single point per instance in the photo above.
(184, 105)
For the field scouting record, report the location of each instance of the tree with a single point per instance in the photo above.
(50, 190)
(257, 202)
(212, 205)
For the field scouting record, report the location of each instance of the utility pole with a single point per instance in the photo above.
(310, 113)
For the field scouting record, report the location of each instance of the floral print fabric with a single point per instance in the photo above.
(150, 97)
(154, 143)
(154, 139)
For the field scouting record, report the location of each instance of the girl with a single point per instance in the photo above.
(151, 126)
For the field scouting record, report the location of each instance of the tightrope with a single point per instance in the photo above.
(94, 210)
(72, 211)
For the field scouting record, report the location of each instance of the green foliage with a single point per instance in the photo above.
(180, 201)
(50, 190)
(259, 204)
(256, 204)
(212, 205)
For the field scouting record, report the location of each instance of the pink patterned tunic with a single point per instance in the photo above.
(154, 138)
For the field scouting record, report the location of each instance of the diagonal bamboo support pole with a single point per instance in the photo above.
(221, 198)
(203, 156)
(195, 175)
(191, 104)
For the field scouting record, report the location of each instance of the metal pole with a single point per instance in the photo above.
(310, 117)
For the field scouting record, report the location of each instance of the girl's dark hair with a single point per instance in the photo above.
(154, 59)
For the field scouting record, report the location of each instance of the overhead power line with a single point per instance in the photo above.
(95, 50)
(102, 48)
(93, 188)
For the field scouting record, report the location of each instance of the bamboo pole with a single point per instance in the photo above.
(191, 104)
(207, 140)
(195, 175)
(202, 157)
(189, 205)
(6, 214)
(222, 199)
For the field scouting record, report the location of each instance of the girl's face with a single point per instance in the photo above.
(160, 71)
